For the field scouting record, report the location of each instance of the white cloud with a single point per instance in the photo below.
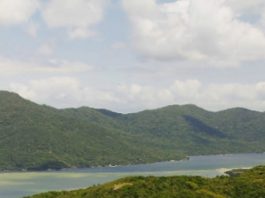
(197, 30)
(136, 96)
(250, 6)
(187, 89)
(210, 96)
(78, 16)
(81, 33)
(70, 92)
(48, 90)
(14, 67)
(260, 88)
(63, 92)
(17, 11)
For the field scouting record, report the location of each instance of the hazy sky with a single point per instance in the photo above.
(129, 55)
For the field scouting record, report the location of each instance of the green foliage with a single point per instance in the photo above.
(38, 137)
(248, 184)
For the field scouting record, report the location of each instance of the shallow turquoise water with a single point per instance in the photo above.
(17, 185)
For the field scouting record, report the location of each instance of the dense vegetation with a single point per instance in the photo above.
(244, 184)
(39, 137)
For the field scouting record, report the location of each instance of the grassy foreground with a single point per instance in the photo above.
(241, 184)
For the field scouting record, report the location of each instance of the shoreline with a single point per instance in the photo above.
(187, 158)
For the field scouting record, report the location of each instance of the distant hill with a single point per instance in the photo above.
(243, 184)
(39, 137)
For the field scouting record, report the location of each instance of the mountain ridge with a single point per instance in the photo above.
(139, 111)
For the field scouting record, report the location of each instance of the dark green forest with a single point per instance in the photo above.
(40, 137)
(241, 184)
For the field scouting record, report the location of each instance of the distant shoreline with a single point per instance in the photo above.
(113, 166)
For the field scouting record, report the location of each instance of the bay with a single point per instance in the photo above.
(18, 185)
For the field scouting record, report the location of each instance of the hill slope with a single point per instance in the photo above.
(246, 184)
(39, 137)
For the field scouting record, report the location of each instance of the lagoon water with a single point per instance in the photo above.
(18, 185)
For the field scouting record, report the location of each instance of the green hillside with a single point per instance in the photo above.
(242, 184)
(39, 137)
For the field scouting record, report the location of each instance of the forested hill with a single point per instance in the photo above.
(39, 137)
(244, 184)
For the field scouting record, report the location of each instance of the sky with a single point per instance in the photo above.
(131, 55)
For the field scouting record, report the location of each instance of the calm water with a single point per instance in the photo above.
(17, 185)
